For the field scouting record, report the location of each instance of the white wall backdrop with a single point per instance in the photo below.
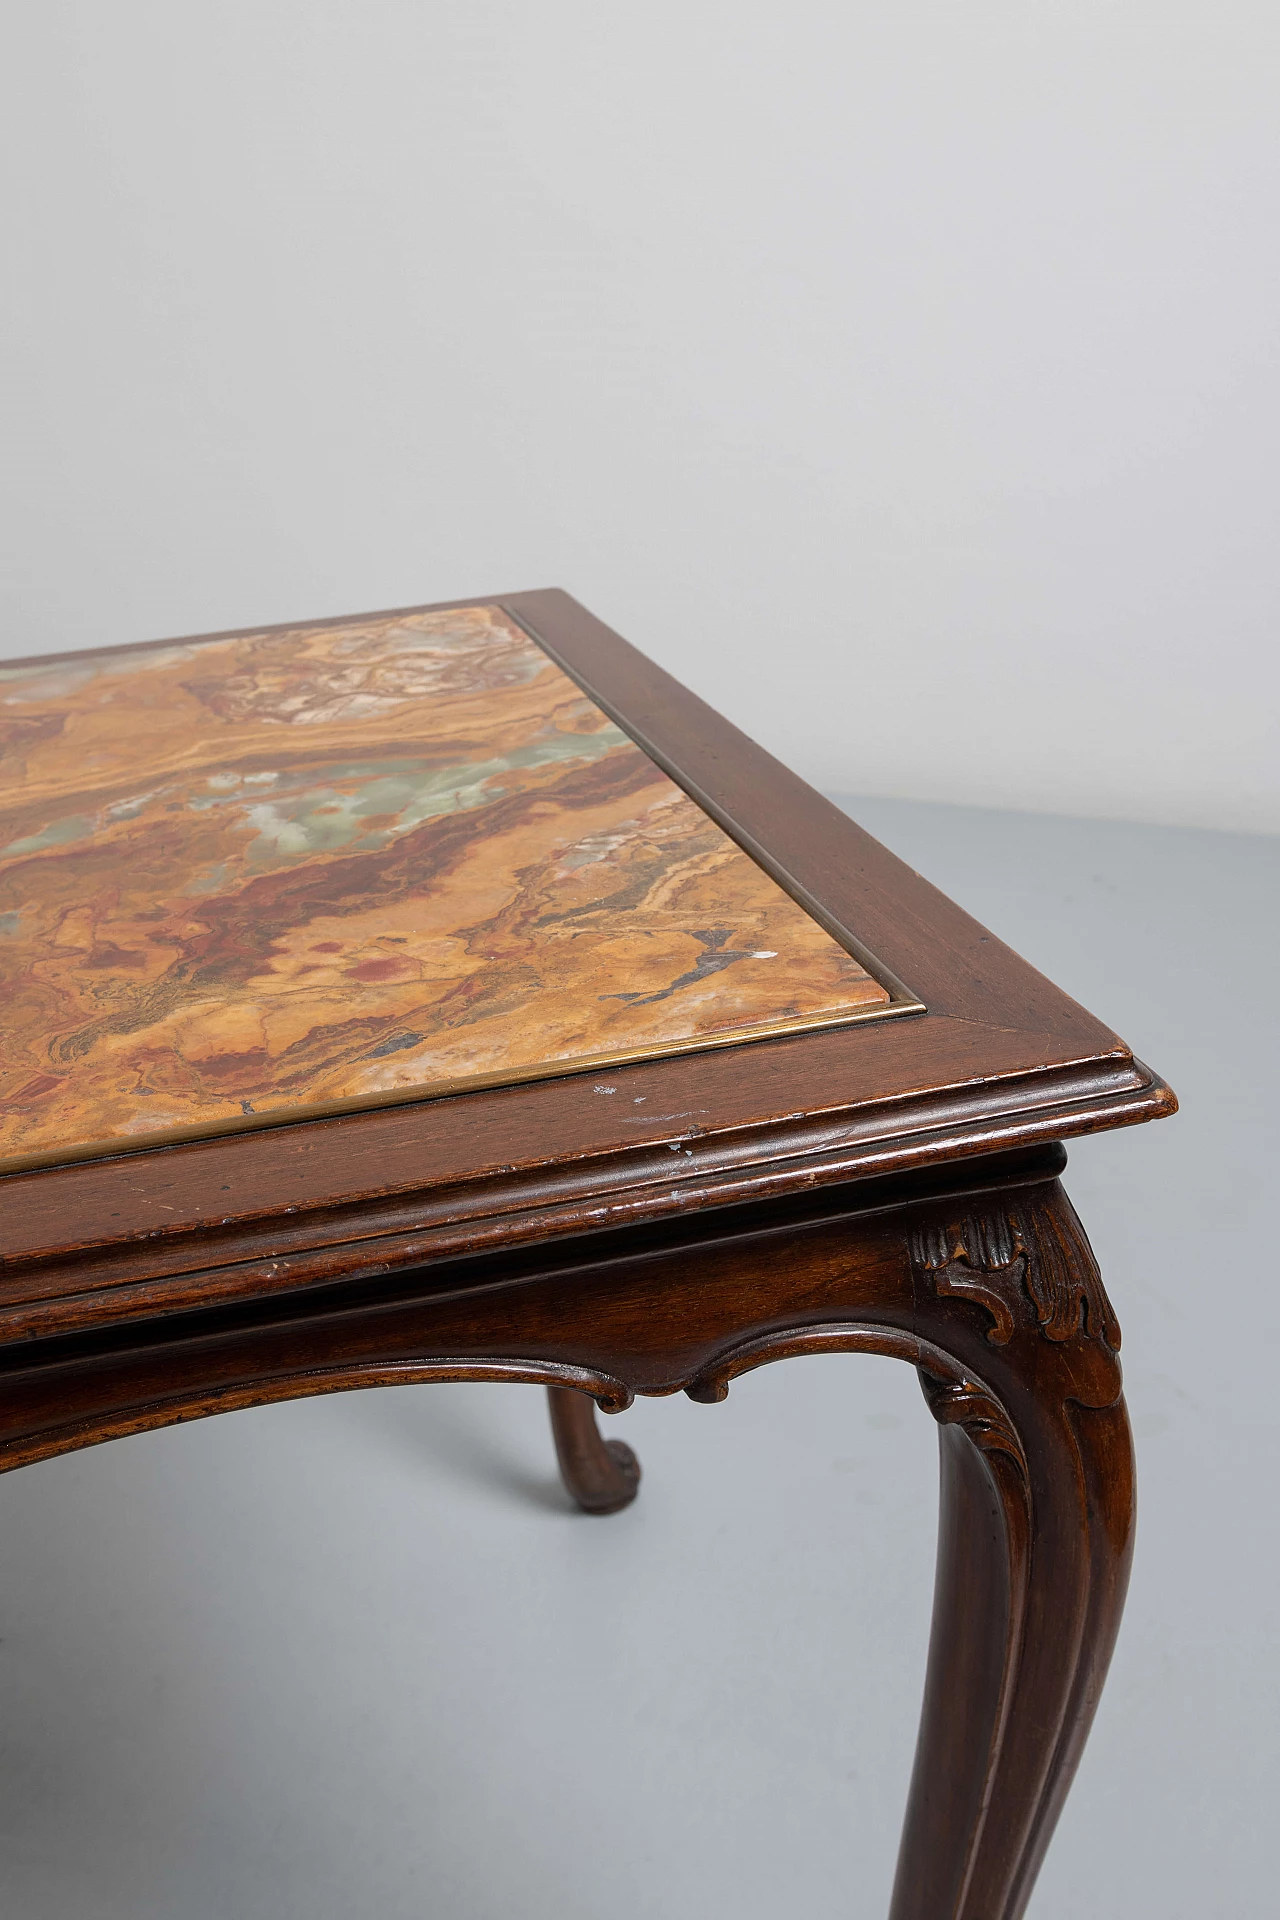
(904, 375)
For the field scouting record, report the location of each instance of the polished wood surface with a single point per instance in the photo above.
(602, 1475)
(888, 1186)
(326, 867)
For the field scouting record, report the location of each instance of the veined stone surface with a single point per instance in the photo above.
(303, 870)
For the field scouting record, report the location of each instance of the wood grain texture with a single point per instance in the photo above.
(310, 869)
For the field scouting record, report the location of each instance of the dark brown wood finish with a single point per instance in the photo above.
(886, 1188)
(602, 1475)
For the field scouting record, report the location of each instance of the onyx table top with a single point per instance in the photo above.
(298, 871)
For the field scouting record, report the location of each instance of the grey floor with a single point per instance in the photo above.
(356, 1656)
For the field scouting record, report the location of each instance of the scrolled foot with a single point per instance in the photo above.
(603, 1476)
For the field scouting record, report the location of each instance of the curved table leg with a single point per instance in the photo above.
(1005, 1317)
(1035, 1537)
(601, 1475)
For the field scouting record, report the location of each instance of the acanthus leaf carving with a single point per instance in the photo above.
(1039, 1253)
(966, 1403)
(959, 1261)
(1063, 1278)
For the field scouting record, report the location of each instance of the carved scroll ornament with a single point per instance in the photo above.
(1017, 1254)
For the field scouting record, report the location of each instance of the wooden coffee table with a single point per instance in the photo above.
(448, 994)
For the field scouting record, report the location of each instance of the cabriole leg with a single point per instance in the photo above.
(602, 1475)
(1035, 1537)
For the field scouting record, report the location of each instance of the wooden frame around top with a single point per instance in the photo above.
(999, 1059)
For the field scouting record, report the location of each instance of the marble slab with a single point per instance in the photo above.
(307, 870)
